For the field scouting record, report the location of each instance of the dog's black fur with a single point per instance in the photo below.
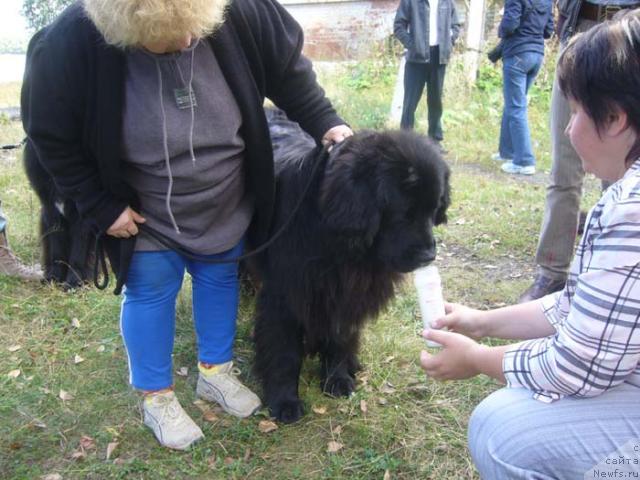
(366, 219)
(67, 241)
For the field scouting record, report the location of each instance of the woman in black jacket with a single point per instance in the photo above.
(151, 112)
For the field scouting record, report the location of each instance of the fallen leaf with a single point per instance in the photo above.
(87, 443)
(37, 423)
(202, 405)
(111, 446)
(14, 348)
(363, 378)
(100, 349)
(75, 323)
(320, 410)
(389, 359)
(247, 454)
(211, 461)
(337, 430)
(363, 406)
(51, 476)
(78, 359)
(387, 388)
(183, 371)
(382, 401)
(65, 396)
(228, 461)
(333, 446)
(210, 416)
(266, 426)
(387, 475)
(78, 455)
(14, 373)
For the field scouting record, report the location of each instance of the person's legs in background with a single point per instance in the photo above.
(562, 204)
(414, 81)
(518, 73)
(435, 87)
(505, 145)
(10, 265)
(513, 436)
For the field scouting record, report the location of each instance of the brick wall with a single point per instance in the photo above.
(342, 29)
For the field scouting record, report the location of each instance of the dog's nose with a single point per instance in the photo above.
(429, 254)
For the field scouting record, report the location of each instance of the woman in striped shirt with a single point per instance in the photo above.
(581, 345)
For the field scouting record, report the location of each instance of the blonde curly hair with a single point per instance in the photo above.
(131, 23)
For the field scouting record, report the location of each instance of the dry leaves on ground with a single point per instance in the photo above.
(266, 426)
(319, 409)
(65, 396)
(333, 446)
(110, 448)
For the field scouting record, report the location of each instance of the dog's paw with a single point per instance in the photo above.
(287, 411)
(338, 386)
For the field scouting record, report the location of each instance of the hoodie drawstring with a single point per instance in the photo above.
(165, 144)
(191, 102)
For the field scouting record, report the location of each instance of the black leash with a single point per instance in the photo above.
(101, 265)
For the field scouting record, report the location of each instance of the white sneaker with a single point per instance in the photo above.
(510, 167)
(497, 158)
(170, 423)
(224, 388)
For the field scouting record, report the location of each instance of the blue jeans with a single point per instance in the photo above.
(513, 436)
(147, 319)
(519, 72)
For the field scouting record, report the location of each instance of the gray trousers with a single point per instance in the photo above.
(562, 205)
(513, 436)
(3, 220)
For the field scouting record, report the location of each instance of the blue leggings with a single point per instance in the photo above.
(147, 318)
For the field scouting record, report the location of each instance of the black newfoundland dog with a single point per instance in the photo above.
(366, 219)
(67, 241)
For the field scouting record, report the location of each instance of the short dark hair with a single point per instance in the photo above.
(600, 70)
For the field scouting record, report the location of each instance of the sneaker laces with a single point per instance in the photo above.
(171, 411)
(233, 381)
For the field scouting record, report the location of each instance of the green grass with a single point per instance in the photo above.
(413, 427)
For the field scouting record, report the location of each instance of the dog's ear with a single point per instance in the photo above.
(348, 204)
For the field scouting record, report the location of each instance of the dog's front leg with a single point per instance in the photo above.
(279, 354)
(339, 364)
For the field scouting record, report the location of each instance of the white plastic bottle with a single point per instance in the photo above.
(429, 287)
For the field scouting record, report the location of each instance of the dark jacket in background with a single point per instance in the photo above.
(525, 25)
(411, 27)
(73, 100)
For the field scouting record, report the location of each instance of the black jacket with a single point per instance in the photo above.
(73, 99)
(411, 27)
(525, 25)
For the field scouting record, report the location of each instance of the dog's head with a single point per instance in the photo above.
(381, 196)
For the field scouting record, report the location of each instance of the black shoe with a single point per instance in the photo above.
(581, 221)
(541, 287)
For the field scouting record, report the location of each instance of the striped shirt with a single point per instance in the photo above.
(596, 317)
